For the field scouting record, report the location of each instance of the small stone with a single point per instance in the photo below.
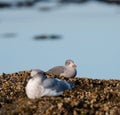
(60, 105)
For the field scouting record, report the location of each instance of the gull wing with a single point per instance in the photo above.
(56, 84)
(56, 70)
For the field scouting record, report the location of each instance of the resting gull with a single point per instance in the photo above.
(39, 85)
(69, 70)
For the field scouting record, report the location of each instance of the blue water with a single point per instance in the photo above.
(90, 35)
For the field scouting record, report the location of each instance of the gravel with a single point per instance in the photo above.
(88, 97)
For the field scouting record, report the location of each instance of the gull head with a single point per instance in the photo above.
(70, 63)
(36, 71)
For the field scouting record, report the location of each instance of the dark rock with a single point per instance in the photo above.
(55, 37)
(111, 1)
(45, 36)
(9, 35)
(73, 1)
(4, 5)
(88, 97)
(25, 3)
(41, 37)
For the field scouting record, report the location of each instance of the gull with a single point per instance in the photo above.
(69, 70)
(39, 85)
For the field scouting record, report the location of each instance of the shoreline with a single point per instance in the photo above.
(89, 96)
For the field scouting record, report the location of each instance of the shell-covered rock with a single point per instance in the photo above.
(88, 97)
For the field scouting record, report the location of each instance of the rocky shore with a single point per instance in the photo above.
(88, 97)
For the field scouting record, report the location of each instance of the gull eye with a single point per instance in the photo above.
(67, 63)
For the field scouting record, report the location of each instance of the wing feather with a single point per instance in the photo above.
(56, 70)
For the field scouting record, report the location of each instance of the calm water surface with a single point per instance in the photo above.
(90, 35)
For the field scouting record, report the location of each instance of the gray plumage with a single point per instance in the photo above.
(39, 86)
(69, 70)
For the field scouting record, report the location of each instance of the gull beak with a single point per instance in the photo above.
(74, 65)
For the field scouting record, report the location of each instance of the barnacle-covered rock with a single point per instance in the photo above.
(89, 96)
